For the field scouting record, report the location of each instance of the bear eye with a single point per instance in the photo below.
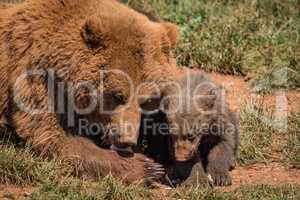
(117, 97)
(191, 136)
(151, 103)
(120, 98)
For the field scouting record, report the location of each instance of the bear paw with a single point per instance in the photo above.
(197, 177)
(219, 177)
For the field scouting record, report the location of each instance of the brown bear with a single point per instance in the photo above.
(194, 134)
(58, 57)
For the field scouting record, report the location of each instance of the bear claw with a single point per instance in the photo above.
(220, 179)
(154, 171)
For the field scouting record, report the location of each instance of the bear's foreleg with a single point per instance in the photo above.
(220, 161)
(98, 162)
(36, 123)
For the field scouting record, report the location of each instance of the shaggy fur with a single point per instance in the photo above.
(191, 154)
(4, 5)
(207, 125)
(77, 39)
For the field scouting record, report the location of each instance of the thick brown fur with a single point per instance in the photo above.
(5, 5)
(77, 39)
(191, 155)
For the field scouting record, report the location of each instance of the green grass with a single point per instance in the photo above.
(77, 191)
(245, 192)
(108, 189)
(53, 180)
(20, 166)
(292, 148)
(57, 192)
(260, 38)
(256, 136)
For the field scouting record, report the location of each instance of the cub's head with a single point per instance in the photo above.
(191, 111)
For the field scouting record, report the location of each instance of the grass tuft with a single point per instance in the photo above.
(54, 191)
(108, 189)
(292, 147)
(113, 189)
(259, 38)
(20, 166)
(256, 138)
(245, 192)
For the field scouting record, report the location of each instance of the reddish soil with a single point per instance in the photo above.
(270, 174)
(238, 93)
(9, 192)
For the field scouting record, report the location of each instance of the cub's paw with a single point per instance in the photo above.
(218, 175)
(197, 177)
(220, 179)
(197, 180)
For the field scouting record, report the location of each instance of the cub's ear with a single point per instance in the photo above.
(173, 32)
(92, 34)
(207, 96)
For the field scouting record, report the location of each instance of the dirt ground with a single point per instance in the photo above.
(237, 94)
(270, 174)
(9, 192)
(275, 173)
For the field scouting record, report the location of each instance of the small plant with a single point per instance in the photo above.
(256, 136)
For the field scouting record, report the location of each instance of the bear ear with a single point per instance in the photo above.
(92, 35)
(173, 32)
(208, 97)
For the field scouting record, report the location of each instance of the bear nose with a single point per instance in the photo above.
(122, 149)
(182, 155)
(124, 145)
(119, 142)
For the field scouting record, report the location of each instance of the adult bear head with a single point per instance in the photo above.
(99, 47)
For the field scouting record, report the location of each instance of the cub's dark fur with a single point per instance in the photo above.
(216, 146)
